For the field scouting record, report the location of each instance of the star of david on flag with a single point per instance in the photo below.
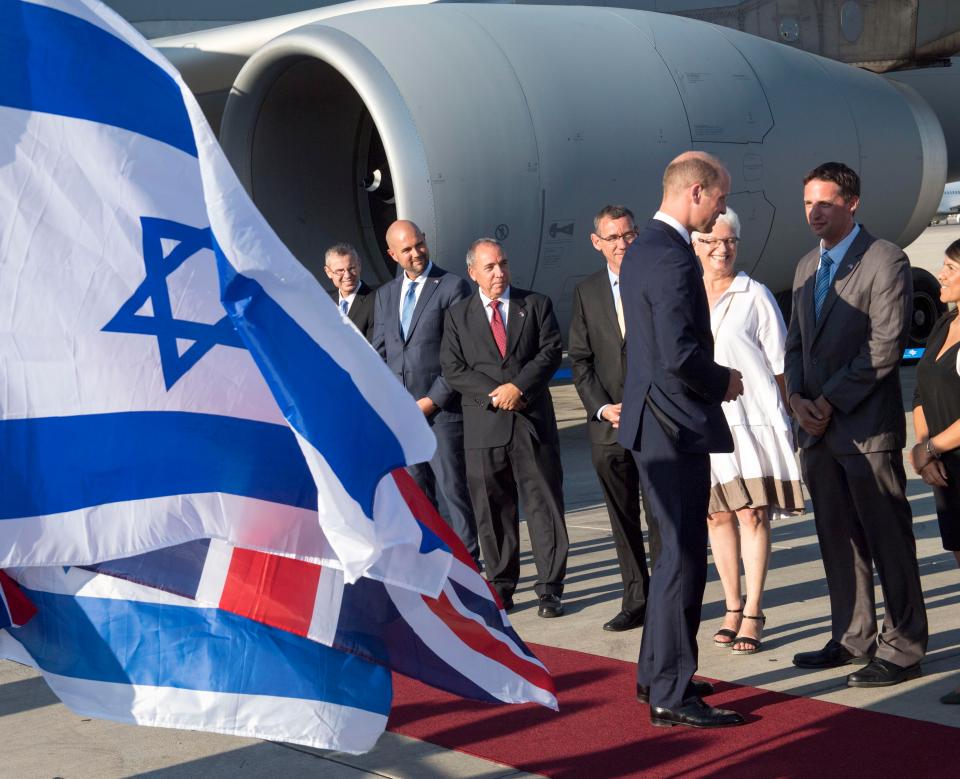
(181, 343)
(167, 374)
(166, 356)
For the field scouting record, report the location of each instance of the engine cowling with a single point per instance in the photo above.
(520, 122)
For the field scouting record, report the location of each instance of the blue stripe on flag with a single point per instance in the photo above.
(59, 464)
(55, 63)
(306, 382)
(129, 642)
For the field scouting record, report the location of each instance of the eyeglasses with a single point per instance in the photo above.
(627, 237)
(730, 243)
(353, 270)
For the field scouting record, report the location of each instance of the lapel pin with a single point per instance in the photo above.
(520, 313)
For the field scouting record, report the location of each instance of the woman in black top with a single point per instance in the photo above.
(936, 414)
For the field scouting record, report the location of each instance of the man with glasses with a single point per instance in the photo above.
(599, 356)
(408, 329)
(352, 295)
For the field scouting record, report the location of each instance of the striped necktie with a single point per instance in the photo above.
(344, 307)
(496, 325)
(822, 285)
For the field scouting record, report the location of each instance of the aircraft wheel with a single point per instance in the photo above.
(927, 307)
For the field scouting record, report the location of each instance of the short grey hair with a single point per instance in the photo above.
(342, 249)
(730, 219)
(613, 212)
(472, 251)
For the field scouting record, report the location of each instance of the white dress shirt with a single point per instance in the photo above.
(660, 216)
(504, 306)
(407, 281)
(349, 298)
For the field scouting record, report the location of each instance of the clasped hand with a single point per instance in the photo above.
(813, 415)
(507, 397)
(928, 467)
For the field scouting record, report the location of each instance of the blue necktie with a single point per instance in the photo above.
(344, 307)
(406, 313)
(822, 285)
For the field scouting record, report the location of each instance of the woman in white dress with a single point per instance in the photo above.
(760, 477)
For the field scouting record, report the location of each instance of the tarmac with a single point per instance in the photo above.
(46, 740)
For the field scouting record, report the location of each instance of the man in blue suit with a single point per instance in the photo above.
(407, 330)
(671, 419)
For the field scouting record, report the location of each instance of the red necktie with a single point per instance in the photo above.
(499, 331)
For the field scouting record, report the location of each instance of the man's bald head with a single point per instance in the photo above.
(695, 189)
(408, 247)
(692, 167)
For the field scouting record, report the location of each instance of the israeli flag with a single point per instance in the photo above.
(168, 370)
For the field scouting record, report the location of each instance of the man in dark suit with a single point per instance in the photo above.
(501, 347)
(851, 314)
(597, 350)
(672, 420)
(408, 329)
(351, 294)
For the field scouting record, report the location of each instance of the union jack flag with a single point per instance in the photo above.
(461, 642)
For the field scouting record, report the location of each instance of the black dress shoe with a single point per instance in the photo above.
(833, 655)
(695, 713)
(700, 689)
(882, 673)
(624, 621)
(550, 606)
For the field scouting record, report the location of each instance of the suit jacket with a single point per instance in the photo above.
(361, 310)
(851, 354)
(597, 351)
(473, 366)
(670, 352)
(416, 360)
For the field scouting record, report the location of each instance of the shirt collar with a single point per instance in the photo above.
(839, 251)
(614, 278)
(504, 298)
(667, 219)
(407, 281)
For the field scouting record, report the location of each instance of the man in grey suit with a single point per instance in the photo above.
(851, 309)
(408, 330)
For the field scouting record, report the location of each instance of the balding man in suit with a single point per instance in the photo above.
(501, 347)
(672, 420)
(408, 330)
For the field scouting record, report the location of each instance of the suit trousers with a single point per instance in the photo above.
(446, 473)
(497, 476)
(863, 517)
(677, 486)
(620, 482)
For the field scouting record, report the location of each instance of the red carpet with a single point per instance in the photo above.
(601, 731)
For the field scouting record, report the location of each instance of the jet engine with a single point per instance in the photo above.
(520, 122)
